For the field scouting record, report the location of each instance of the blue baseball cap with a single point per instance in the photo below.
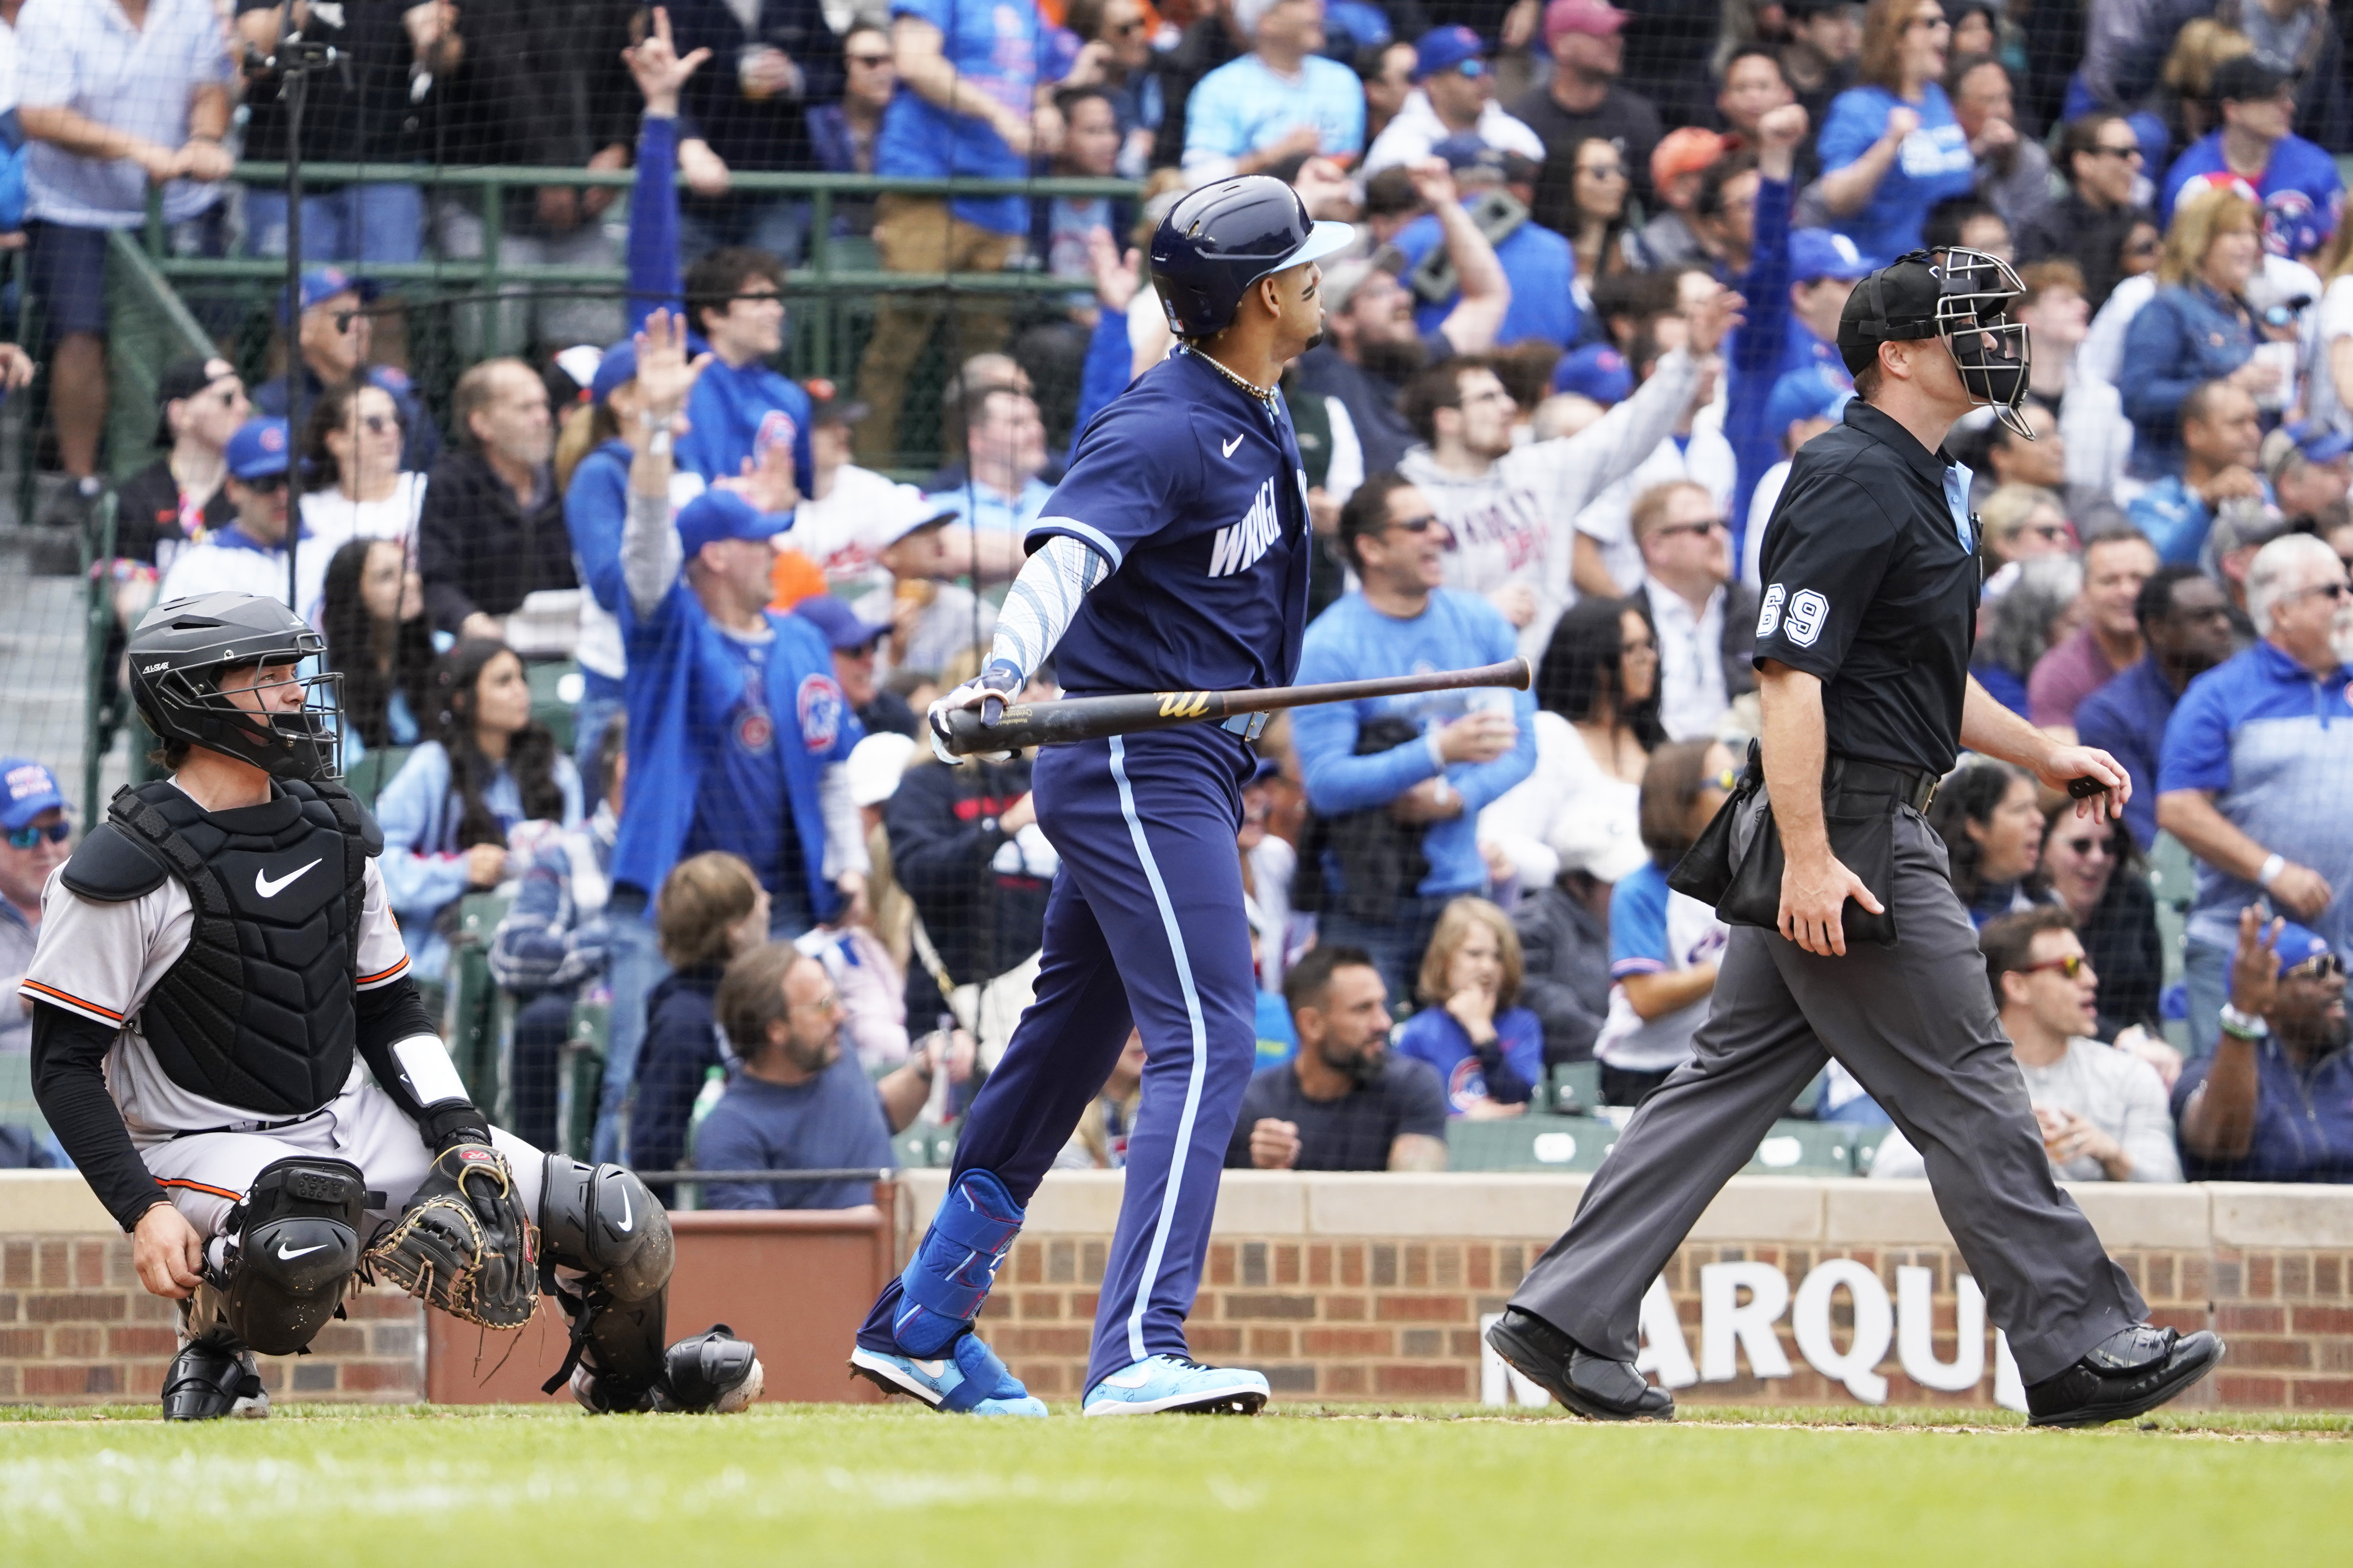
(1443, 48)
(715, 515)
(617, 369)
(1596, 371)
(1824, 253)
(2297, 945)
(321, 284)
(258, 450)
(26, 790)
(842, 626)
(1807, 394)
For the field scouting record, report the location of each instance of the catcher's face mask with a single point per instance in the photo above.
(1991, 352)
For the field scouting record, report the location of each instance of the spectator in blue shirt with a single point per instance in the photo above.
(2274, 1102)
(1004, 440)
(2255, 763)
(1890, 148)
(2295, 182)
(1487, 1049)
(1281, 99)
(2221, 432)
(2185, 624)
(800, 1101)
(1401, 780)
(2198, 327)
(969, 105)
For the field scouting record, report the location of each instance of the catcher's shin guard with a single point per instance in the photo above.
(293, 1245)
(599, 1221)
(213, 1374)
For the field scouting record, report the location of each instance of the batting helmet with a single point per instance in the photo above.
(1218, 241)
(177, 658)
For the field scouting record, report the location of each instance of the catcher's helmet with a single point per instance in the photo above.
(1218, 240)
(176, 657)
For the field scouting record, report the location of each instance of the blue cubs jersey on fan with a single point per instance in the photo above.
(1193, 492)
(737, 414)
(2299, 188)
(736, 806)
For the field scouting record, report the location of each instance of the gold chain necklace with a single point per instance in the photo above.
(1263, 395)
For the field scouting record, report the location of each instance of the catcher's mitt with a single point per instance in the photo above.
(464, 1244)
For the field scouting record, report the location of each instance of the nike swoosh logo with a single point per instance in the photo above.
(1230, 452)
(1129, 1380)
(932, 1368)
(270, 889)
(627, 1221)
(286, 1257)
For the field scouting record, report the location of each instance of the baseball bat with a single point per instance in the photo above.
(1026, 724)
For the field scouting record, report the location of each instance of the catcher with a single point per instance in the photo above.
(216, 965)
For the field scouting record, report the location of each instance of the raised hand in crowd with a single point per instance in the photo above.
(433, 33)
(1117, 276)
(665, 376)
(1711, 319)
(1517, 600)
(1778, 135)
(1433, 181)
(1323, 185)
(767, 481)
(661, 71)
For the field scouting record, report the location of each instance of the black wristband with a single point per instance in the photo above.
(452, 1122)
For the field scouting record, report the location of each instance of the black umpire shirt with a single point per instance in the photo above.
(1871, 584)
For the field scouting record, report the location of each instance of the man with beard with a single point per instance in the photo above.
(1510, 511)
(2274, 1102)
(1372, 346)
(1344, 1103)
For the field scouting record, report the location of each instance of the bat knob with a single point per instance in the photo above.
(2085, 787)
(992, 709)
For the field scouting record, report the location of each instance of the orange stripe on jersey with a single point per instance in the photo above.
(54, 994)
(200, 1187)
(384, 975)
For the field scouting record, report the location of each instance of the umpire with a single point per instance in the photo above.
(1863, 650)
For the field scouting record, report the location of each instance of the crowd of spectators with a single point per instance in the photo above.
(1588, 320)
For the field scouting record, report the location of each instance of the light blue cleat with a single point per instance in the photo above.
(967, 1380)
(1173, 1383)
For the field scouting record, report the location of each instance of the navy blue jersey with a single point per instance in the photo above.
(1194, 493)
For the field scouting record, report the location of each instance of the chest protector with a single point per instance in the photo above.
(258, 1013)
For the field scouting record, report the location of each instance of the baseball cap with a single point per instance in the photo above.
(1595, 18)
(1807, 394)
(1466, 152)
(715, 515)
(1596, 371)
(828, 407)
(1602, 845)
(909, 510)
(258, 450)
(2245, 80)
(1685, 151)
(2295, 945)
(28, 789)
(839, 623)
(1824, 253)
(2244, 522)
(1443, 48)
(2304, 441)
(615, 370)
(184, 378)
(1897, 304)
(321, 284)
(875, 766)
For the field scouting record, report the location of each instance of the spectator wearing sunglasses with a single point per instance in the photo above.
(2274, 1102)
(2092, 870)
(2092, 223)
(333, 337)
(842, 135)
(2255, 764)
(351, 443)
(248, 556)
(1453, 95)
(1705, 623)
(173, 501)
(2102, 1111)
(34, 839)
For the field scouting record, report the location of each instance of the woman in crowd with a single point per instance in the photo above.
(2199, 326)
(1988, 815)
(1663, 946)
(379, 637)
(1596, 720)
(2022, 521)
(448, 815)
(711, 908)
(351, 443)
(2095, 870)
(1487, 1048)
(2038, 606)
(1115, 55)
(1890, 147)
(1598, 189)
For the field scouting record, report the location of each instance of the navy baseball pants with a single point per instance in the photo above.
(1145, 928)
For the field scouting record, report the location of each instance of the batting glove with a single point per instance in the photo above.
(989, 692)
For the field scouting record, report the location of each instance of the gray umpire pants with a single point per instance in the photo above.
(1915, 1025)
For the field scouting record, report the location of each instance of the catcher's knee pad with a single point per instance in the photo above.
(951, 1273)
(297, 1246)
(602, 1222)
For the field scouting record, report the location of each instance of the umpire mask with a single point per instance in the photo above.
(1991, 352)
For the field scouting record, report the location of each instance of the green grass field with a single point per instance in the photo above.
(1433, 1486)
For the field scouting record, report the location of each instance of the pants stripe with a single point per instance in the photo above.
(1168, 1199)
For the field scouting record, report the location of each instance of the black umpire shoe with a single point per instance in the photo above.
(1590, 1385)
(212, 1377)
(2131, 1370)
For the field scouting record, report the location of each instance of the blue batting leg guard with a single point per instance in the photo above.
(950, 1275)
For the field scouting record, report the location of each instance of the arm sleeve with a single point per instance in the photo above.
(845, 829)
(70, 1084)
(654, 282)
(2147, 1135)
(1346, 471)
(1822, 567)
(2197, 754)
(416, 882)
(1044, 599)
(651, 556)
(1637, 927)
(1481, 783)
(1133, 470)
(1576, 468)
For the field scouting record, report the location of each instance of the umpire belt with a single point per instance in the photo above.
(1853, 776)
